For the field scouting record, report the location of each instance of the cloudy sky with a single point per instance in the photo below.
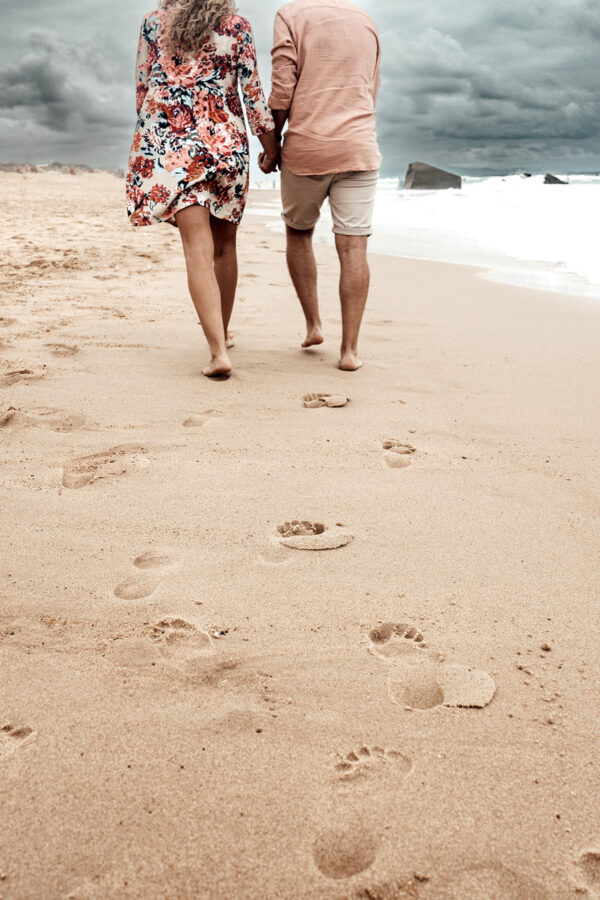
(485, 83)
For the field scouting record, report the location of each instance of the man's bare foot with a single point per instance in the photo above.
(314, 336)
(219, 366)
(349, 362)
(229, 340)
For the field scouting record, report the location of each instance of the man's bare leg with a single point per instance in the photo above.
(354, 289)
(303, 271)
(196, 237)
(226, 268)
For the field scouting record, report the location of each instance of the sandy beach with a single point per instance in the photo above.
(196, 700)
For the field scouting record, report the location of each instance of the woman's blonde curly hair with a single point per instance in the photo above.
(190, 22)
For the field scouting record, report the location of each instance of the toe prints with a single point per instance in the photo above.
(418, 679)
(316, 401)
(398, 455)
(172, 641)
(84, 470)
(178, 638)
(13, 737)
(313, 536)
(391, 639)
(367, 761)
(300, 529)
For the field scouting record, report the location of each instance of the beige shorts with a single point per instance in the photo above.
(351, 198)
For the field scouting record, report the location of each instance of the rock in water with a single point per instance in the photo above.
(552, 179)
(420, 176)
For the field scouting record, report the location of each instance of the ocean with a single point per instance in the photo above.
(516, 229)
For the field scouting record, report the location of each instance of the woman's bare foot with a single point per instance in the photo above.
(219, 366)
(349, 362)
(314, 336)
(229, 340)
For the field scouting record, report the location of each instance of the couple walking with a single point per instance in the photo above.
(189, 163)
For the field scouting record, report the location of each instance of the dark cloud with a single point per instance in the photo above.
(499, 84)
(496, 84)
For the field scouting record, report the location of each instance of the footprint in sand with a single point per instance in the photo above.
(420, 679)
(9, 415)
(276, 556)
(136, 588)
(154, 559)
(398, 455)
(52, 419)
(370, 761)
(313, 536)
(344, 851)
(365, 775)
(178, 639)
(245, 723)
(12, 737)
(393, 639)
(588, 871)
(317, 401)
(155, 563)
(197, 421)
(63, 350)
(85, 470)
(16, 376)
(134, 653)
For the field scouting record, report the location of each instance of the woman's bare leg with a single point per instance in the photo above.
(196, 237)
(226, 267)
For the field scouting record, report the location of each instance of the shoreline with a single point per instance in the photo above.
(448, 247)
(413, 713)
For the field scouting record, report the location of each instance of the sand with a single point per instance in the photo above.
(197, 703)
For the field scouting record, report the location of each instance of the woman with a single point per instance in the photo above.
(189, 161)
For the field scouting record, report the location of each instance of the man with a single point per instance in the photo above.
(325, 82)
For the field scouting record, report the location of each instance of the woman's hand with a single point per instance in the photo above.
(270, 158)
(269, 164)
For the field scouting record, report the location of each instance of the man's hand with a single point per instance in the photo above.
(270, 158)
(268, 163)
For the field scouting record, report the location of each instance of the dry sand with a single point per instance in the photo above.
(197, 704)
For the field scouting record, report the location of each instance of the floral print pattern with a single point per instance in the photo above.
(190, 144)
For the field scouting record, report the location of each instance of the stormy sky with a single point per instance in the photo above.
(498, 84)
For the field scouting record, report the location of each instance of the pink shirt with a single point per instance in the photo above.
(326, 72)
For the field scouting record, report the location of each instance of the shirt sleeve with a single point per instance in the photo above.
(285, 65)
(257, 111)
(141, 69)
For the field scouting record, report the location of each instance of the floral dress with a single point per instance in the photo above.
(190, 144)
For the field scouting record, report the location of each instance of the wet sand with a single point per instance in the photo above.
(256, 649)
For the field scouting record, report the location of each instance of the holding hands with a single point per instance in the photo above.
(270, 159)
